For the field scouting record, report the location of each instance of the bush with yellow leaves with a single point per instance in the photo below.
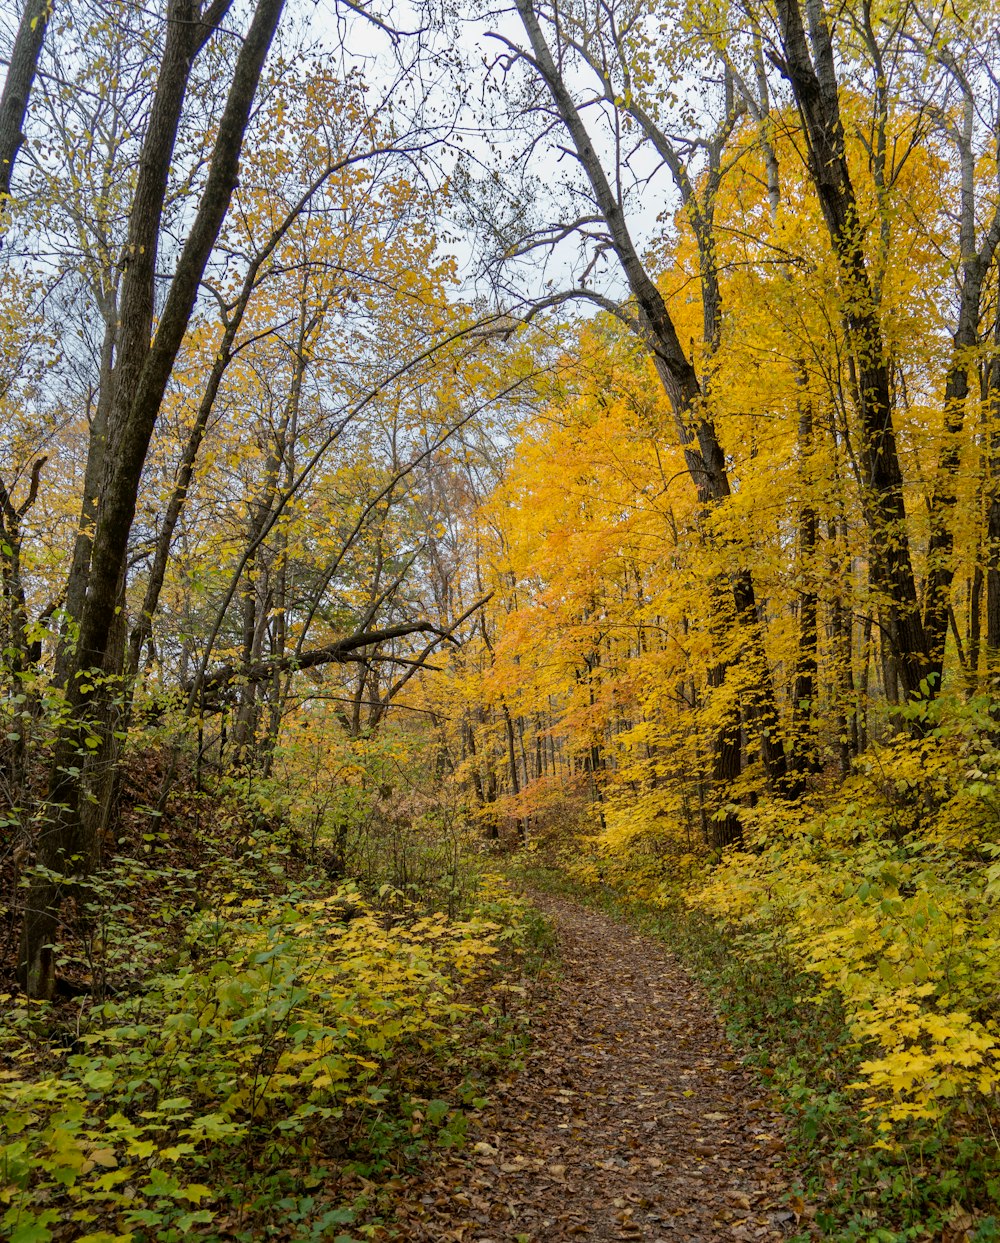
(285, 1013)
(887, 896)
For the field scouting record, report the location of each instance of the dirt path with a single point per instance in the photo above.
(632, 1119)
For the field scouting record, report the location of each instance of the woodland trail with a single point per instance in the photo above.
(632, 1120)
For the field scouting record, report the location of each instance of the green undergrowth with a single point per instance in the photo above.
(254, 1050)
(935, 1181)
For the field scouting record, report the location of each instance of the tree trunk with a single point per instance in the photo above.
(79, 573)
(806, 758)
(992, 501)
(814, 83)
(515, 786)
(142, 371)
(702, 450)
(17, 90)
(19, 650)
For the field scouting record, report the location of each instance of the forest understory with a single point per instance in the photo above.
(489, 1046)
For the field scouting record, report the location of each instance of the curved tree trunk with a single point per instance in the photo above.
(703, 453)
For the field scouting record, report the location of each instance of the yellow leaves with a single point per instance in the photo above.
(176, 1152)
(933, 1059)
(903, 928)
(293, 1016)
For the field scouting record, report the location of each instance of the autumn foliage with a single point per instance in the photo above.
(587, 446)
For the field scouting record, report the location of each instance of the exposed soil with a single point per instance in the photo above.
(631, 1120)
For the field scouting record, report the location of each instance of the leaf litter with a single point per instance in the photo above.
(631, 1120)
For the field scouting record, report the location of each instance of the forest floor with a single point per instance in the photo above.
(631, 1120)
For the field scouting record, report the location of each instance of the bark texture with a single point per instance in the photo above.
(21, 73)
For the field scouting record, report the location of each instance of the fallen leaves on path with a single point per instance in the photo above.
(632, 1119)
